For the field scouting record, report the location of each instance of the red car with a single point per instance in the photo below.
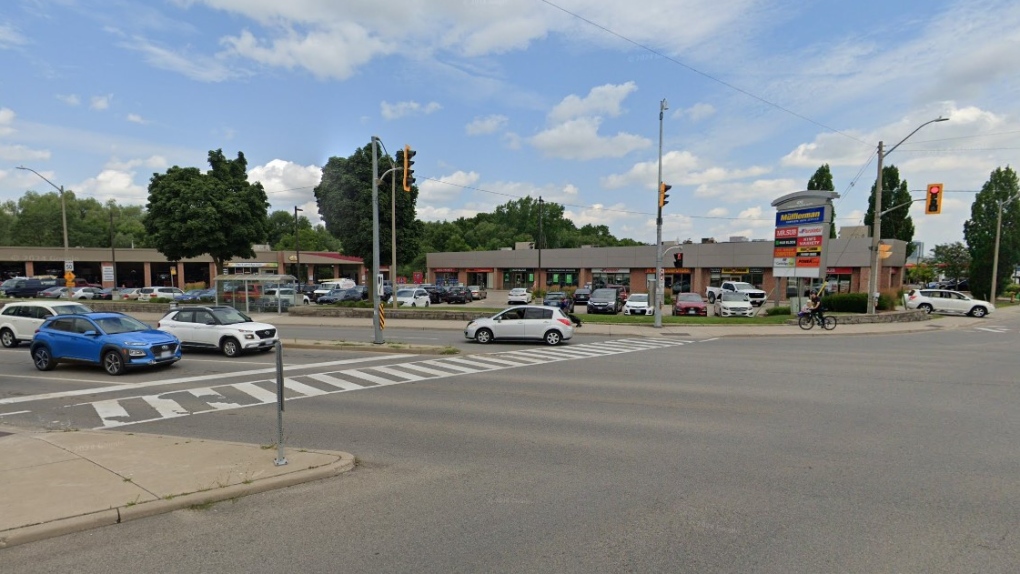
(689, 304)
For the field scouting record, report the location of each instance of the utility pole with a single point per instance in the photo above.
(663, 106)
(876, 236)
(393, 237)
(297, 249)
(377, 327)
(113, 251)
(995, 255)
(538, 272)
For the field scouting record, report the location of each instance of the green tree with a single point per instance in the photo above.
(8, 215)
(953, 259)
(897, 224)
(979, 232)
(822, 181)
(218, 213)
(344, 197)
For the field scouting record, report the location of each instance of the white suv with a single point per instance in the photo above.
(946, 301)
(147, 293)
(218, 327)
(19, 320)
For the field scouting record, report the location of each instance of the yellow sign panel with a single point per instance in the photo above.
(69, 277)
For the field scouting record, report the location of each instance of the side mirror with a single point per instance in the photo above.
(90, 333)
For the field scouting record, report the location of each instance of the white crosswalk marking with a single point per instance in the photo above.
(993, 329)
(117, 412)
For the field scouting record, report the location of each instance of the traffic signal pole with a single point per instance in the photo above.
(659, 289)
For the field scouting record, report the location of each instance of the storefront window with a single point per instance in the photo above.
(602, 279)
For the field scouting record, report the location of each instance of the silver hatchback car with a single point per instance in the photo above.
(528, 322)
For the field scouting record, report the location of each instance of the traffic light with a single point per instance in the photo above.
(408, 170)
(663, 188)
(678, 260)
(933, 203)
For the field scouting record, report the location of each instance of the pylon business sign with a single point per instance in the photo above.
(802, 233)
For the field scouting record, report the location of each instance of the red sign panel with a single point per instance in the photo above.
(809, 261)
(839, 270)
(786, 232)
(811, 241)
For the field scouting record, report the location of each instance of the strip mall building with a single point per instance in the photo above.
(693, 266)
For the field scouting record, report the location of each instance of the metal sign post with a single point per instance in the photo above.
(280, 459)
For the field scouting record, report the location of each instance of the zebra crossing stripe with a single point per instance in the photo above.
(398, 374)
(472, 362)
(109, 410)
(260, 394)
(445, 365)
(426, 370)
(335, 382)
(165, 407)
(302, 388)
(493, 359)
(369, 377)
(207, 392)
(521, 356)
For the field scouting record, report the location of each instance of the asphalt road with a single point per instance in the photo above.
(818, 453)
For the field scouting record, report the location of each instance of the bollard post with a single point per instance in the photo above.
(280, 459)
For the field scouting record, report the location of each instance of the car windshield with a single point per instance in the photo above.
(638, 298)
(230, 316)
(689, 297)
(405, 293)
(555, 295)
(604, 294)
(70, 309)
(124, 324)
(727, 296)
(742, 286)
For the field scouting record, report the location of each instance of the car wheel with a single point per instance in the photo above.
(925, 307)
(43, 359)
(113, 363)
(427, 303)
(553, 338)
(711, 298)
(483, 336)
(976, 312)
(413, 304)
(8, 339)
(230, 347)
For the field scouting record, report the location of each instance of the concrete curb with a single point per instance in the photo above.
(60, 527)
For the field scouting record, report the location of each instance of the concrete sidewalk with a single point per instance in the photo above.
(60, 482)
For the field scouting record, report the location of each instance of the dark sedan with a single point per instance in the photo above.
(581, 296)
(459, 295)
(338, 295)
(556, 298)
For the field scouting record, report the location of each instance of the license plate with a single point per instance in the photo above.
(165, 355)
(692, 311)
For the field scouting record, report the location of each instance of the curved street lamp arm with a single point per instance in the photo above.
(938, 119)
(60, 189)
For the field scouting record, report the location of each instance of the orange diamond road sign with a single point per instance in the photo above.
(69, 276)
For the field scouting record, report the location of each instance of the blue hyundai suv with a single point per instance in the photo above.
(115, 341)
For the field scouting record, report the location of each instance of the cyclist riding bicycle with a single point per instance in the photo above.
(814, 306)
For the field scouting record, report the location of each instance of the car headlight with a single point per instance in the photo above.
(134, 344)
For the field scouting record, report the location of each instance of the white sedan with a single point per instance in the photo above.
(733, 304)
(946, 301)
(519, 295)
(637, 304)
(533, 322)
(85, 293)
(413, 297)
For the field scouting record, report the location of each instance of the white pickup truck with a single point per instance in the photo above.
(757, 296)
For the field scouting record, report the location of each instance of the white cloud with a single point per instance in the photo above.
(579, 139)
(17, 153)
(69, 99)
(513, 140)
(697, 112)
(114, 184)
(448, 188)
(136, 119)
(101, 102)
(288, 184)
(758, 190)
(486, 125)
(400, 109)
(675, 166)
(10, 37)
(601, 100)
(196, 67)
(7, 116)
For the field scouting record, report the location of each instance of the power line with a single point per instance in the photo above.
(700, 73)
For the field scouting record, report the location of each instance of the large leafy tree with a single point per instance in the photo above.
(979, 232)
(218, 213)
(897, 224)
(822, 181)
(344, 197)
(952, 259)
(8, 215)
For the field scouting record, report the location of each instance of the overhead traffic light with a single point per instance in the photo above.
(678, 259)
(933, 202)
(663, 188)
(408, 170)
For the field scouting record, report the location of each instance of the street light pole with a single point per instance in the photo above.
(663, 106)
(538, 272)
(995, 255)
(297, 248)
(63, 218)
(874, 285)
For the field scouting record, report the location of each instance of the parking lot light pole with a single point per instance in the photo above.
(63, 217)
(297, 248)
(874, 285)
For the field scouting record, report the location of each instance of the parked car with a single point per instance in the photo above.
(518, 296)
(689, 304)
(197, 296)
(413, 298)
(19, 320)
(605, 300)
(131, 293)
(637, 304)
(115, 341)
(288, 296)
(106, 294)
(435, 293)
(581, 296)
(946, 301)
(337, 296)
(623, 289)
(26, 288)
(733, 304)
(85, 293)
(528, 322)
(556, 298)
(218, 327)
(54, 292)
(478, 292)
(459, 294)
(150, 293)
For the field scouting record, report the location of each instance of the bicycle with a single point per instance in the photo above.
(807, 321)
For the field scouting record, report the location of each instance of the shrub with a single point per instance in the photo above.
(777, 311)
(538, 294)
(846, 302)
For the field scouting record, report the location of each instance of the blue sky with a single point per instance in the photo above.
(509, 98)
